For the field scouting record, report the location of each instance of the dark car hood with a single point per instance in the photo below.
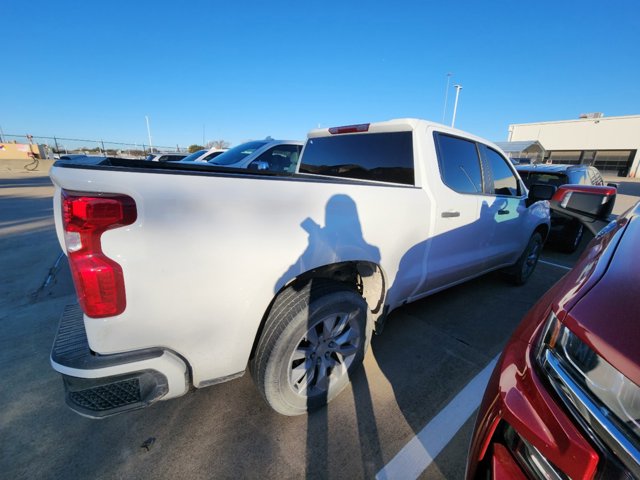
(607, 317)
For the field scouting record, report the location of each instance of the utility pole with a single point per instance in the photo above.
(446, 96)
(455, 105)
(149, 134)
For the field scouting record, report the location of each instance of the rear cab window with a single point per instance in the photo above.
(382, 157)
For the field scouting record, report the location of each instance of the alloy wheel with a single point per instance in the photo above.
(324, 353)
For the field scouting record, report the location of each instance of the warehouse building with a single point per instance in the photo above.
(530, 151)
(610, 144)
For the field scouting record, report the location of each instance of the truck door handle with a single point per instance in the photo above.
(450, 214)
(503, 212)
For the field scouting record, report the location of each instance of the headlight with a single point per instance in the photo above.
(607, 400)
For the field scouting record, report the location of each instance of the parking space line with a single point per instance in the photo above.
(422, 449)
(554, 264)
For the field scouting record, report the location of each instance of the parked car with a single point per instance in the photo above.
(76, 157)
(204, 155)
(192, 156)
(166, 156)
(564, 399)
(289, 273)
(71, 156)
(273, 155)
(566, 232)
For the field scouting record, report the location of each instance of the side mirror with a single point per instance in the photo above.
(539, 191)
(590, 204)
(614, 185)
(258, 165)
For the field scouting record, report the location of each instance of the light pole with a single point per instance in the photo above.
(149, 134)
(455, 105)
(446, 97)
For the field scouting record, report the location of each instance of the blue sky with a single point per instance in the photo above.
(250, 69)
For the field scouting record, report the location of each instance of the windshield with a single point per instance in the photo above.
(235, 154)
(193, 156)
(213, 155)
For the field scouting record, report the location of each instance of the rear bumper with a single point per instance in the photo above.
(97, 385)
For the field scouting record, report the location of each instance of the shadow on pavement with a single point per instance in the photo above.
(628, 188)
(26, 182)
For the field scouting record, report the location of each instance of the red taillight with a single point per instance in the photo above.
(363, 127)
(98, 279)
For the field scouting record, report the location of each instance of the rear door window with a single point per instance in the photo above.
(383, 157)
(459, 163)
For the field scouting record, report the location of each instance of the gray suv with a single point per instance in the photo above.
(566, 233)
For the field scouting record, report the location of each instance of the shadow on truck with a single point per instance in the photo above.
(335, 333)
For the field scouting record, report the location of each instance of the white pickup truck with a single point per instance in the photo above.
(187, 274)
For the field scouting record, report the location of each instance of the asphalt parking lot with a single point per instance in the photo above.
(428, 353)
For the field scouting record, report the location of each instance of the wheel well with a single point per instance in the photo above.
(363, 277)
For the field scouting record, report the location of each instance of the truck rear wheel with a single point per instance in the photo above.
(313, 339)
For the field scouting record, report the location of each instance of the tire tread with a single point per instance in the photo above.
(288, 304)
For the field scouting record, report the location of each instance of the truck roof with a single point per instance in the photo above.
(396, 125)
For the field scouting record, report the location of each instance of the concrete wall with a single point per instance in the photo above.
(607, 133)
(17, 165)
(17, 151)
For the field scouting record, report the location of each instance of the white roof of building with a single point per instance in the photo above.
(519, 146)
(584, 120)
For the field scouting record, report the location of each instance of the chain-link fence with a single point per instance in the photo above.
(53, 146)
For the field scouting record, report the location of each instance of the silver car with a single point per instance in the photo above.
(272, 155)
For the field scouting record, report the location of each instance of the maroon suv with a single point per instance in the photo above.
(564, 399)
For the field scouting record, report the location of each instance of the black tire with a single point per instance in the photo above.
(570, 237)
(522, 270)
(304, 359)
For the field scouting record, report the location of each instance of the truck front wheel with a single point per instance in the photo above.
(312, 341)
(526, 264)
